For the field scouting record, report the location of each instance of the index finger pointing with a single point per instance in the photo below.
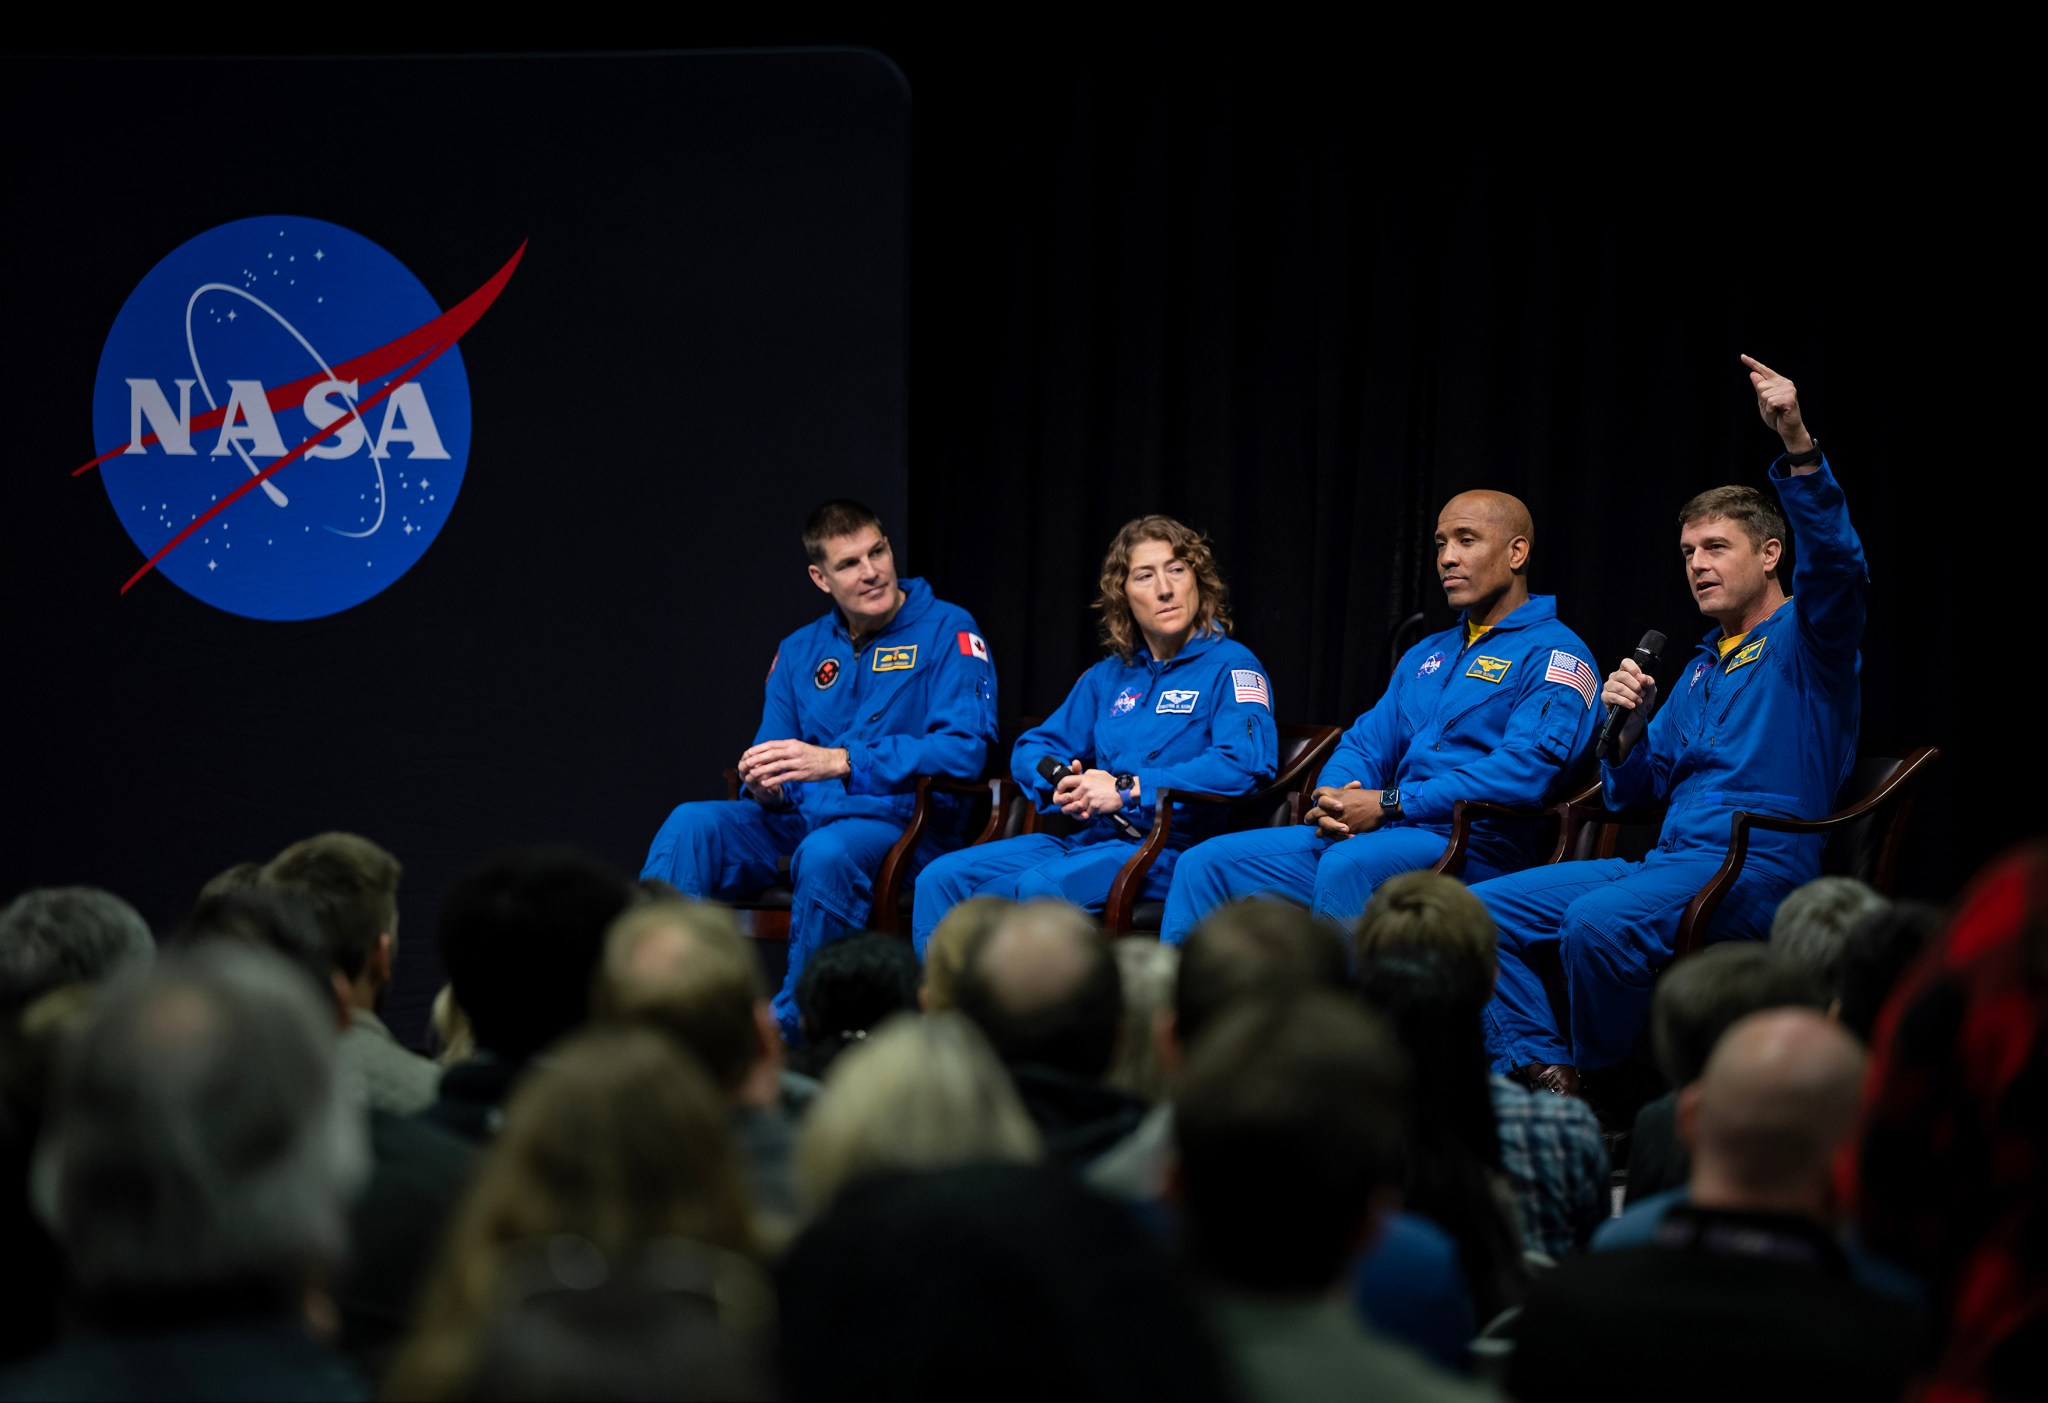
(1754, 364)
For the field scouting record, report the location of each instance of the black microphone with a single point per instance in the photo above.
(1617, 715)
(1052, 772)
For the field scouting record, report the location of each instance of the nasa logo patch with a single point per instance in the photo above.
(282, 416)
(1126, 701)
(826, 674)
(1430, 664)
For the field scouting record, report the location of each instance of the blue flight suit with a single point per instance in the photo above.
(1507, 719)
(1771, 728)
(1202, 720)
(917, 698)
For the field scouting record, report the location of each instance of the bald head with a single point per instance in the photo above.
(1777, 1098)
(1482, 554)
(1043, 985)
(683, 967)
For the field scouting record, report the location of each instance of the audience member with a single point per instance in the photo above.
(988, 1281)
(1289, 1125)
(671, 1322)
(454, 1039)
(1948, 1178)
(683, 968)
(1745, 1292)
(923, 1093)
(1550, 1147)
(1814, 923)
(1042, 987)
(1146, 971)
(616, 1140)
(848, 989)
(945, 954)
(240, 877)
(520, 937)
(65, 935)
(196, 1169)
(1697, 1000)
(1878, 953)
(417, 1169)
(33, 1285)
(351, 887)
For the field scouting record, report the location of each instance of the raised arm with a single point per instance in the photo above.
(1829, 573)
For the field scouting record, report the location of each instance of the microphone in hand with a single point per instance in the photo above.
(1645, 656)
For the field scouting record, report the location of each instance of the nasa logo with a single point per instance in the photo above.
(1126, 701)
(282, 417)
(1430, 664)
(827, 673)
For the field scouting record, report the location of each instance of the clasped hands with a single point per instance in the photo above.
(1339, 813)
(766, 767)
(1087, 793)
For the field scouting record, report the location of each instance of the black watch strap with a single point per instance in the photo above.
(1800, 460)
(1390, 801)
(1126, 783)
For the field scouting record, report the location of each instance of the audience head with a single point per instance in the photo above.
(999, 1280)
(65, 935)
(454, 1039)
(851, 986)
(945, 954)
(1814, 923)
(684, 968)
(1697, 999)
(1429, 912)
(1778, 1096)
(1147, 970)
(1042, 987)
(276, 920)
(351, 887)
(1877, 954)
(617, 1138)
(1289, 1123)
(1252, 949)
(198, 1139)
(922, 1093)
(240, 877)
(521, 936)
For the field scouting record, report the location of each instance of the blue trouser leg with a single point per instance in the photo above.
(951, 879)
(1084, 873)
(1354, 867)
(720, 849)
(1529, 908)
(832, 880)
(1265, 862)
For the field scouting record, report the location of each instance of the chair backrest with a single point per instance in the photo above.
(1303, 748)
(1867, 847)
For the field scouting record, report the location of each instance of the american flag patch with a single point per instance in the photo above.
(1251, 687)
(1573, 673)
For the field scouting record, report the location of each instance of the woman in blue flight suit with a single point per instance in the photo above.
(1177, 704)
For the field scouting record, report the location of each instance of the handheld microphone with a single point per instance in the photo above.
(1052, 772)
(1617, 715)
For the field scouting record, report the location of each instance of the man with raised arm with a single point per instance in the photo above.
(1763, 718)
(890, 684)
(1498, 707)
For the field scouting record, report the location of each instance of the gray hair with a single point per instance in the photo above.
(1814, 923)
(199, 1136)
(66, 935)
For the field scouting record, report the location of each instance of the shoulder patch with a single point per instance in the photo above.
(1746, 654)
(1489, 669)
(1251, 686)
(972, 646)
(1176, 701)
(901, 659)
(773, 661)
(1430, 664)
(825, 674)
(1574, 672)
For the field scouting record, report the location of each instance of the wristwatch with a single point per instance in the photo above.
(1126, 783)
(1390, 803)
(1800, 460)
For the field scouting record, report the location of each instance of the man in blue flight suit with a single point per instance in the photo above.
(1499, 707)
(1178, 704)
(892, 684)
(1765, 718)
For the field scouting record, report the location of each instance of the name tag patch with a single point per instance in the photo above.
(1175, 703)
(1746, 655)
(1489, 669)
(896, 659)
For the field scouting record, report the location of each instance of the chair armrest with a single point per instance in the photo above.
(885, 914)
(1465, 812)
(1002, 791)
(732, 783)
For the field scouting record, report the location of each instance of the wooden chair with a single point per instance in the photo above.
(1303, 748)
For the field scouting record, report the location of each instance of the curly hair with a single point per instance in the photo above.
(1119, 628)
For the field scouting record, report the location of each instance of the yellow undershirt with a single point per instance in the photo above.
(1475, 632)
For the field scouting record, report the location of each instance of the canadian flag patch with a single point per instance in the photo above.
(972, 645)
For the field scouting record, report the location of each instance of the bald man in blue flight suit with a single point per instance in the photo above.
(1177, 704)
(1498, 707)
(891, 684)
(1764, 718)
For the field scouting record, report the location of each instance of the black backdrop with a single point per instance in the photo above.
(1299, 294)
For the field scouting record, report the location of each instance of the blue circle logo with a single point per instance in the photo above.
(282, 417)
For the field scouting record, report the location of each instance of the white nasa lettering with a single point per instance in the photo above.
(248, 419)
(407, 419)
(322, 409)
(146, 401)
